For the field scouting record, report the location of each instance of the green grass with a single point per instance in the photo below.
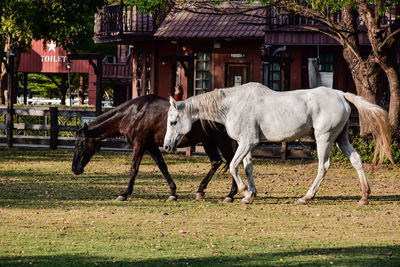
(50, 217)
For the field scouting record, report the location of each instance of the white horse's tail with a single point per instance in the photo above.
(378, 124)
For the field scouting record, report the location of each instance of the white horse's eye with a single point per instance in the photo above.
(173, 123)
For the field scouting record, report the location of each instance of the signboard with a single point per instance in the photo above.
(47, 57)
(238, 80)
(238, 55)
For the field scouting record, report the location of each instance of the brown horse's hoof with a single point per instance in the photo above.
(120, 198)
(363, 202)
(172, 198)
(301, 201)
(228, 200)
(200, 196)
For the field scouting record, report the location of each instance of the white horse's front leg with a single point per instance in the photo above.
(248, 167)
(241, 152)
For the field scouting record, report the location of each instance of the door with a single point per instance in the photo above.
(237, 74)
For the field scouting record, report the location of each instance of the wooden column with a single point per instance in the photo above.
(53, 127)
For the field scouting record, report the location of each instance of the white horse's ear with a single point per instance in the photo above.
(173, 102)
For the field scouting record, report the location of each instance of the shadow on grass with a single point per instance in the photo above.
(334, 199)
(346, 256)
(18, 154)
(52, 189)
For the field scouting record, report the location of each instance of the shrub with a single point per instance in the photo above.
(365, 147)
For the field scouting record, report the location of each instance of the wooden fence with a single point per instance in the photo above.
(56, 127)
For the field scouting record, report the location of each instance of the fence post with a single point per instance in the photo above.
(10, 100)
(53, 127)
(284, 151)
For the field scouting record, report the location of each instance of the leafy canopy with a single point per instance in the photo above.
(64, 21)
(149, 6)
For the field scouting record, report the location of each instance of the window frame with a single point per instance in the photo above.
(202, 79)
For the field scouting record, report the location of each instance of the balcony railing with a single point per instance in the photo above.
(117, 70)
(278, 18)
(118, 20)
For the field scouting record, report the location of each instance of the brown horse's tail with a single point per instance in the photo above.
(377, 120)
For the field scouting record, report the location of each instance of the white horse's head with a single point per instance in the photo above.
(179, 123)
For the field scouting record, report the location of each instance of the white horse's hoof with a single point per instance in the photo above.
(200, 196)
(228, 200)
(363, 202)
(120, 198)
(301, 201)
(172, 198)
(245, 201)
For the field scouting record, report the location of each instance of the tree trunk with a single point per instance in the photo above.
(394, 105)
(81, 89)
(365, 72)
(3, 84)
(383, 44)
(4, 76)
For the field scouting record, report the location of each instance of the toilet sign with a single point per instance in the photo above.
(238, 80)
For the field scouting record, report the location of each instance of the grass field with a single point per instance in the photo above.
(50, 217)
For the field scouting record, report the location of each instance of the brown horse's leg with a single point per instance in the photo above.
(225, 145)
(155, 153)
(137, 158)
(216, 161)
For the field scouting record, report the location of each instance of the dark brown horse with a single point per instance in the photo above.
(142, 121)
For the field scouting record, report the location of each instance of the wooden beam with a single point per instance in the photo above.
(84, 56)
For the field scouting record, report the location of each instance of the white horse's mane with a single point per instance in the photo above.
(208, 106)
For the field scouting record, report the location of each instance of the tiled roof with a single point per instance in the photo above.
(186, 24)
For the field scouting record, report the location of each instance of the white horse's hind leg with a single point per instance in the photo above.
(248, 167)
(241, 152)
(355, 159)
(324, 144)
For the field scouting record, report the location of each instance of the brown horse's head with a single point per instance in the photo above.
(85, 147)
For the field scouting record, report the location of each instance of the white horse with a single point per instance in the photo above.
(252, 113)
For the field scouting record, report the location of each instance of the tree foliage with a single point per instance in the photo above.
(64, 21)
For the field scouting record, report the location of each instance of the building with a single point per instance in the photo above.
(202, 51)
(185, 50)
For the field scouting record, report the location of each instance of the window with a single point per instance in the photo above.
(143, 73)
(148, 73)
(202, 74)
(139, 72)
(326, 62)
(275, 76)
(272, 75)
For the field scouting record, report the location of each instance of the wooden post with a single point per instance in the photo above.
(53, 128)
(284, 151)
(99, 89)
(190, 76)
(190, 150)
(25, 87)
(10, 100)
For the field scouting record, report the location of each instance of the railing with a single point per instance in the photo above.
(279, 17)
(117, 70)
(121, 19)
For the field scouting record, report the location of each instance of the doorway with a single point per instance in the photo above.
(237, 74)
